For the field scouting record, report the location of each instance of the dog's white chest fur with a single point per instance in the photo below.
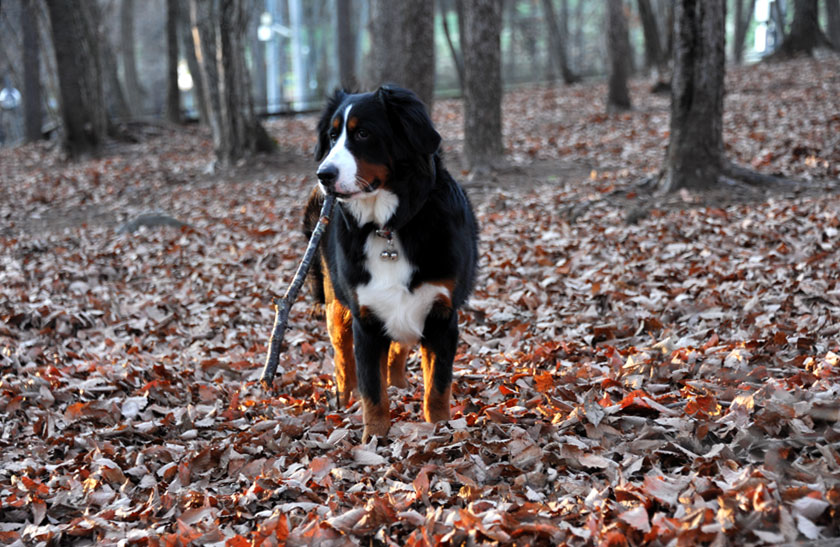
(387, 294)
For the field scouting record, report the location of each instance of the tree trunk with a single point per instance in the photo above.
(188, 45)
(115, 98)
(805, 34)
(695, 156)
(346, 45)
(557, 43)
(482, 84)
(173, 93)
(133, 90)
(620, 57)
(832, 16)
(653, 45)
(455, 51)
(402, 46)
(31, 71)
(80, 82)
(742, 24)
(220, 33)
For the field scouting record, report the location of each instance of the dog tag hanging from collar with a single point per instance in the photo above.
(390, 251)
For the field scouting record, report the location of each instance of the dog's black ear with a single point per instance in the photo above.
(333, 103)
(408, 116)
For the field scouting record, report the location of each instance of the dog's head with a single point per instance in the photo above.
(367, 140)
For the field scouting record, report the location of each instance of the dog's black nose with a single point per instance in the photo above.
(327, 174)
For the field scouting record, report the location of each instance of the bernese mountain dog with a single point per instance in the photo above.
(398, 257)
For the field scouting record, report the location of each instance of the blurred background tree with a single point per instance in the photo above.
(122, 62)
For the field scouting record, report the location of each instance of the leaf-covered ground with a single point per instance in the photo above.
(670, 381)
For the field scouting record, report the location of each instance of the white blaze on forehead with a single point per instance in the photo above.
(341, 158)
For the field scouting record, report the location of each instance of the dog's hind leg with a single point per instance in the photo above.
(397, 355)
(440, 340)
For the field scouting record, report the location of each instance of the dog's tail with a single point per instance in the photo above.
(315, 277)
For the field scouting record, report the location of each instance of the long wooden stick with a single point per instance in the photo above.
(282, 306)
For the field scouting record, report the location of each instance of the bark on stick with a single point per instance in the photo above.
(283, 305)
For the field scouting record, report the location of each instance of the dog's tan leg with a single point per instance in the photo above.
(435, 402)
(340, 327)
(397, 355)
(377, 416)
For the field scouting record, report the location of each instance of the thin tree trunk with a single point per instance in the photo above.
(346, 45)
(31, 71)
(115, 98)
(188, 45)
(220, 47)
(173, 93)
(133, 90)
(653, 45)
(805, 34)
(742, 24)
(482, 84)
(557, 43)
(618, 50)
(455, 51)
(832, 16)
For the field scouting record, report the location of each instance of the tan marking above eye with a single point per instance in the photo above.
(336, 123)
(352, 123)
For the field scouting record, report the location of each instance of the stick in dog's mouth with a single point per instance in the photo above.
(283, 306)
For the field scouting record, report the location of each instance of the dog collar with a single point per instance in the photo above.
(390, 252)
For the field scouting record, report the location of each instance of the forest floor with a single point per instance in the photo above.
(633, 369)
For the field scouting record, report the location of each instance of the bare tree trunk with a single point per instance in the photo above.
(695, 156)
(455, 51)
(173, 93)
(832, 16)
(618, 50)
(31, 71)
(742, 23)
(482, 84)
(653, 45)
(115, 99)
(188, 45)
(220, 47)
(133, 90)
(805, 34)
(402, 35)
(557, 42)
(79, 76)
(346, 45)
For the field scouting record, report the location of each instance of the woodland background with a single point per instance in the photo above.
(640, 364)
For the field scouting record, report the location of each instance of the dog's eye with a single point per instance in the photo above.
(362, 135)
(333, 136)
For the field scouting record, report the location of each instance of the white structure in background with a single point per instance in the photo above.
(271, 26)
(767, 34)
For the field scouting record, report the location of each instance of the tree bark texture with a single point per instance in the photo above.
(79, 75)
(742, 24)
(695, 155)
(173, 93)
(832, 16)
(650, 29)
(133, 90)
(32, 115)
(557, 39)
(805, 34)
(219, 32)
(346, 45)
(455, 50)
(482, 83)
(403, 46)
(115, 98)
(620, 56)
